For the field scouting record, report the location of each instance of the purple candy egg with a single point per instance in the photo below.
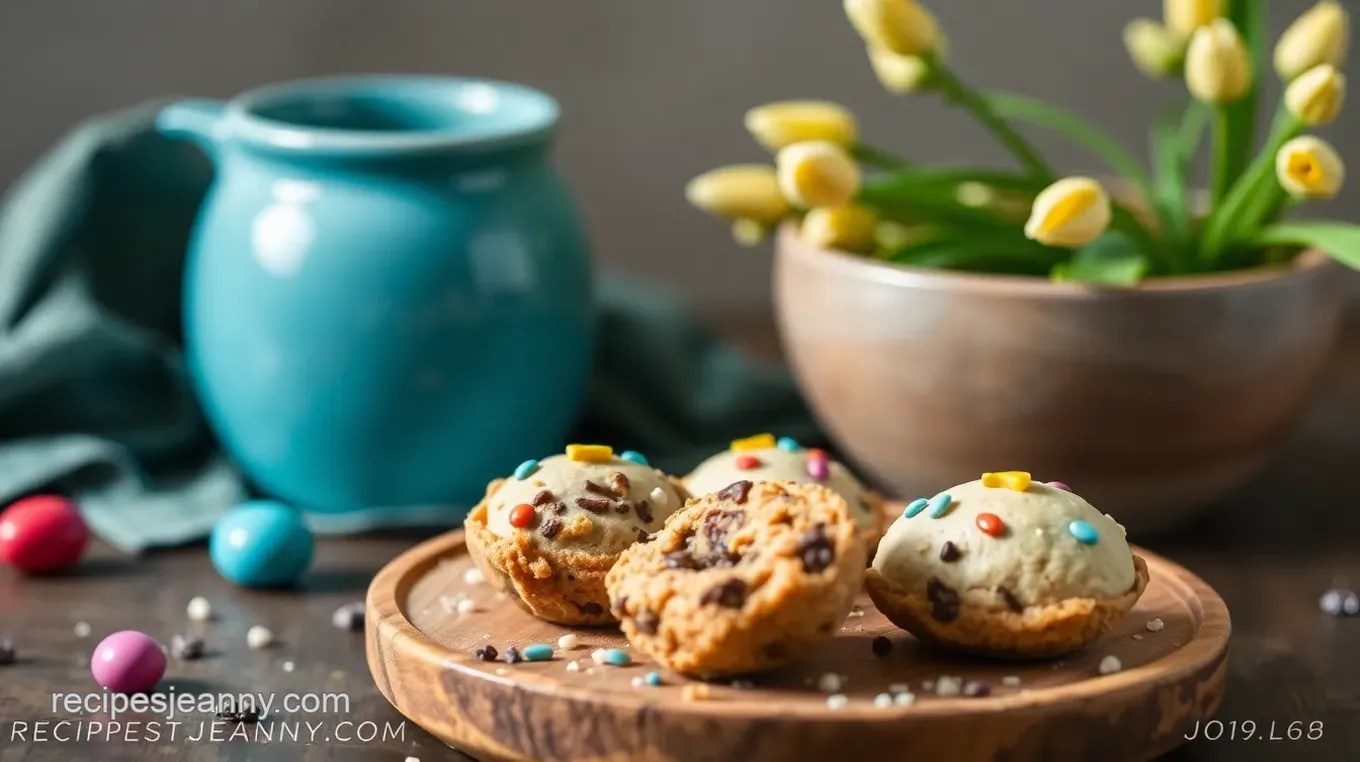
(819, 469)
(128, 662)
(1060, 485)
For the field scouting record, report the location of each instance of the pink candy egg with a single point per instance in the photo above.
(128, 662)
(43, 533)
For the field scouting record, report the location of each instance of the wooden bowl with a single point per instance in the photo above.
(1151, 402)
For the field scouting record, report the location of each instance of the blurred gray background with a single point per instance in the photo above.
(652, 92)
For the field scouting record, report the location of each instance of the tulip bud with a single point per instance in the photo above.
(1217, 66)
(900, 26)
(776, 125)
(742, 191)
(1183, 17)
(1319, 36)
(1309, 169)
(1155, 51)
(849, 228)
(899, 74)
(1316, 96)
(1071, 212)
(749, 233)
(817, 173)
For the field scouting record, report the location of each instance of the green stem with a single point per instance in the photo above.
(878, 158)
(1241, 209)
(1124, 221)
(1221, 167)
(956, 91)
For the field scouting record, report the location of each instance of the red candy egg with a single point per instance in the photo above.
(522, 516)
(43, 533)
(747, 462)
(991, 524)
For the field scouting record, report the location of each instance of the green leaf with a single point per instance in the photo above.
(877, 158)
(1239, 129)
(1340, 240)
(1091, 137)
(1110, 260)
(1237, 217)
(1175, 135)
(911, 202)
(974, 250)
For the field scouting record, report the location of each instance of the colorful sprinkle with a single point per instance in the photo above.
(939, 504)
(615, 656)
(747, 462)
(590, 453)
(1016, 480)
(817, 453)
(991, 524)
(1060, 485)
(757, 442)
(1084, 532)
(538, 652)
(526, 469)
(652, 678)
(787, 444)
(819, 469)
(633, 456)
(915, 507)
(522, 516)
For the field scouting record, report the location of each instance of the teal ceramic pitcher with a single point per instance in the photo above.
(388, 291)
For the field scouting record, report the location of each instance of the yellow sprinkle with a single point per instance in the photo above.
(590, 453)
(757, 442)
(1016, 480)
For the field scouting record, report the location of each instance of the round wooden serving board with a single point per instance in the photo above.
(420, 650)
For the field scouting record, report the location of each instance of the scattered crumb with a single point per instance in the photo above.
(589, 671)
(855, 613)
(288, 666)
(696, 692)
(638, 682)
(259, 637)
(466, 606)
(1110, 664)
(446, 603)
(837, 701)
(899, 688)
(948, 686)
(1155, 625)
(883, 700)
(82, 629)
(1010, 681)
(569, 642)
(199, 609)
(502, 671)
(473, 576)
(829, 682)
(906, 698)
(1137, 636)
(573, 667)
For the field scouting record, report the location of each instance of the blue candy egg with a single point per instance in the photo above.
(261, 543)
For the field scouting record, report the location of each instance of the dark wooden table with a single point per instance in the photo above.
(1271, 551)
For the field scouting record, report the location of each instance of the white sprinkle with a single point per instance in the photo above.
(473, 576)
(1010, 681)
(573, 666)
(948, 686)
(412, 759)
(837, 701)
(466, 606)
(899, 688)
(82, 630)
(288, 666)
(829, 682)
(199, 609)
(657, 495)
(1137, 636)
(1110, 664)
(905, 699)
(638, 682)
(883, 701)
(569, 642)
(259, 637)
(598, 656)
(1155, 625)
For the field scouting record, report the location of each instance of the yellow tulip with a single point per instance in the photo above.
(776, 125)
(1319, 36)
(849, 228)
(1184, 17)
(1217, 66)
(817, 173)
(1309, 169)
(749, 233)
(1071, 212)
(1154, 49)
(899, 74)
(1316, 96)
(741, 191)
(900, 26)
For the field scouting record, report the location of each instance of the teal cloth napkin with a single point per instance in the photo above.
(94, 398)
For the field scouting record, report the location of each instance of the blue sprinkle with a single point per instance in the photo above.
(916, 506)
(652, 678)
(538, 652)
(635, 456)
(939, 504)
(526, 469)
(1084, 532)
(787, 444)
(617, 656)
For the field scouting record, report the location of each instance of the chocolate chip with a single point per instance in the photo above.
(618, 483)
(736, 492)
(976, 689)
(550, 527)
(816, 550)
(594, 505)
(644, 511)
(949, 552)
(1010, 599)
(730, 594)
(349, 617)
(186, 647)
(486, 653)
(560, 509)
(944, 602)
(642, 535)
(512, 655)
(881, 646)
(7, 653)
(623, 507)
(592, 609)
(681, 559)
(646, 622)
(598, 489)
(543, 498)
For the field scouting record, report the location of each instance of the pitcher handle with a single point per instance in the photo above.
(198, 119)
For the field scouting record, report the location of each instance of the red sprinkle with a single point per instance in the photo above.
(817, 453)
(522, 516)
(991, 524)
(747, 462)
